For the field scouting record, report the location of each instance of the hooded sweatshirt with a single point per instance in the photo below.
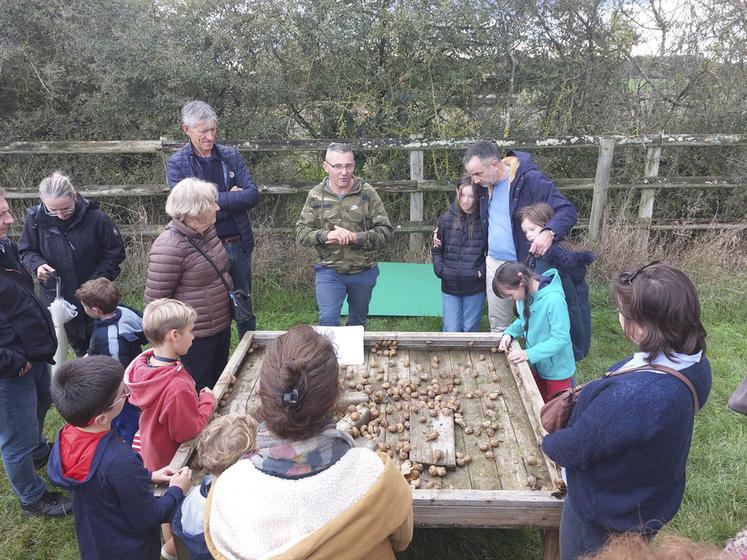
(359, 508)
(172, 412)
(116, 514)
(548, 338)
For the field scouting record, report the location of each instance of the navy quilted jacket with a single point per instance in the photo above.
(530, 185)
(234, 205)
(460, 261)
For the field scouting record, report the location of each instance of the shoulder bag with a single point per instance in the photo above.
(557, 411)
(241, 304)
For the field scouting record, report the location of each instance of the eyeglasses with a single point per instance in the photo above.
(125, 395)
(628, 277)
(61, 211)
(339, 166)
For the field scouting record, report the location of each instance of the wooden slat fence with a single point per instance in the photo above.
(649, 183)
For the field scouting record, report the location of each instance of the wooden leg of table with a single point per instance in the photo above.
(550, 544)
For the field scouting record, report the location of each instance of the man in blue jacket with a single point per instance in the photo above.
(509, 184)
(222, 165)
(27, 345)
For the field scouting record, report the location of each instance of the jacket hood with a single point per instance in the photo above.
(522, 165)
(54, 465)
(554, 287)
(146, 383)
(185, 230)
(561, 257)
(130, 324)
(358, 183)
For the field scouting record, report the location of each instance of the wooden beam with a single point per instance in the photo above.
(485, 508)
(367, 144)
(646, 204)
(601, 184)
(416, 198)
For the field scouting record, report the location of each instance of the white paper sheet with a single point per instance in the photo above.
(348, 343)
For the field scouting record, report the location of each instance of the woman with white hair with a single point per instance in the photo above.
(179, 267)
(70, 238)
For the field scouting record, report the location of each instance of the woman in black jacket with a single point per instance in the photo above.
(67, 236)
(460, 260)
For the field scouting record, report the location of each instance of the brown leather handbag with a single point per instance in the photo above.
(557, 411)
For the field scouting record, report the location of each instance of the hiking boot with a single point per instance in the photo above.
(51, 504)
(39, 462)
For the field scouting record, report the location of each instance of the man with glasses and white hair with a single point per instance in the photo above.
(345, 221)
(27, 345)
(223, 166)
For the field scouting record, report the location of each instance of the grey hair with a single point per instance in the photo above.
(483, 149)
(339, 148)
(196, 112)
(190, 198)
(56, 185)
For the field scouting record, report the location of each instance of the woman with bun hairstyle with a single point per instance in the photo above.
(307, 491)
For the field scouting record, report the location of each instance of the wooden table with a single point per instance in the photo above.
(518, 488)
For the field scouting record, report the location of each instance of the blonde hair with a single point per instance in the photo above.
(190, 198)
(163, 315)
(56, 185)
(224, 441)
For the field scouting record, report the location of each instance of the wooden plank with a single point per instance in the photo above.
(532, 402)
(484, 473)
(646, 204)
(601, 184)
(416, 198)
(370, 144)
(550, 544)
(485, 508)
(439, 451)
(511, 445)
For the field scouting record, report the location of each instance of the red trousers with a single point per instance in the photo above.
(548, 387)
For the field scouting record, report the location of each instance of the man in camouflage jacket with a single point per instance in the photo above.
(345, 221)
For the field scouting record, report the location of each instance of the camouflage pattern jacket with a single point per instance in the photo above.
(361, 211)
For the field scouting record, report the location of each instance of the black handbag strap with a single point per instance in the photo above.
(208, 259)
(663, 369)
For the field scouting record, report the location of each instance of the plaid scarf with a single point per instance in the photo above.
(297, 459)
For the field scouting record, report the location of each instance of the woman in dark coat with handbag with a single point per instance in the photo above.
(179, 267)
(70, 238)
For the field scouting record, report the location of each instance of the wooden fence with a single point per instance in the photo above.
(649, 182)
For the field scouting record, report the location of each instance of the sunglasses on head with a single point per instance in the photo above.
(628, 277)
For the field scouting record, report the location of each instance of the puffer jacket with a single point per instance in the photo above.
(177, 270)
(460, 260)
(361, 210)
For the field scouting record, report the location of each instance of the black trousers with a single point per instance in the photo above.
(207, 357)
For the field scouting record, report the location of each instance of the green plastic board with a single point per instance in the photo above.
(405, 290)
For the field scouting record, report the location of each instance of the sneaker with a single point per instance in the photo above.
(51, 504)
(39, 462)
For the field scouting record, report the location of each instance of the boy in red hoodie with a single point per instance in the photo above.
(116, 514)
(172, 411)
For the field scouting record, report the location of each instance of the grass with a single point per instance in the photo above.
(715, 503)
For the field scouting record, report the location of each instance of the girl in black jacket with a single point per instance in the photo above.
(460, 260)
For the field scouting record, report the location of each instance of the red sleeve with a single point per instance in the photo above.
(185, 416)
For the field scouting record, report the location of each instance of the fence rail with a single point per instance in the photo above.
(649, 183)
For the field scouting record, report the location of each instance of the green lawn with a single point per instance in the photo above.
(715, 504)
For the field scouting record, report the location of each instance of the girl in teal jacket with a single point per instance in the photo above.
(543, 323)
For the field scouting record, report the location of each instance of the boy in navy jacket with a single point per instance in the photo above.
(116, 514)
(117, 332)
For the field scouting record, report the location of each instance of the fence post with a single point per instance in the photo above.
(646, 204)
(601, 184)
(416, 198)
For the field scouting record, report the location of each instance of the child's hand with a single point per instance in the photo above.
(517, 356)
(505, 343)
(207, 391)
(162, 476)
(182, 478)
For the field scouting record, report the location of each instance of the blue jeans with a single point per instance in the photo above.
(24, 402)
(462, 313)
(331, 289)
(241, 274)
(578, 537)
